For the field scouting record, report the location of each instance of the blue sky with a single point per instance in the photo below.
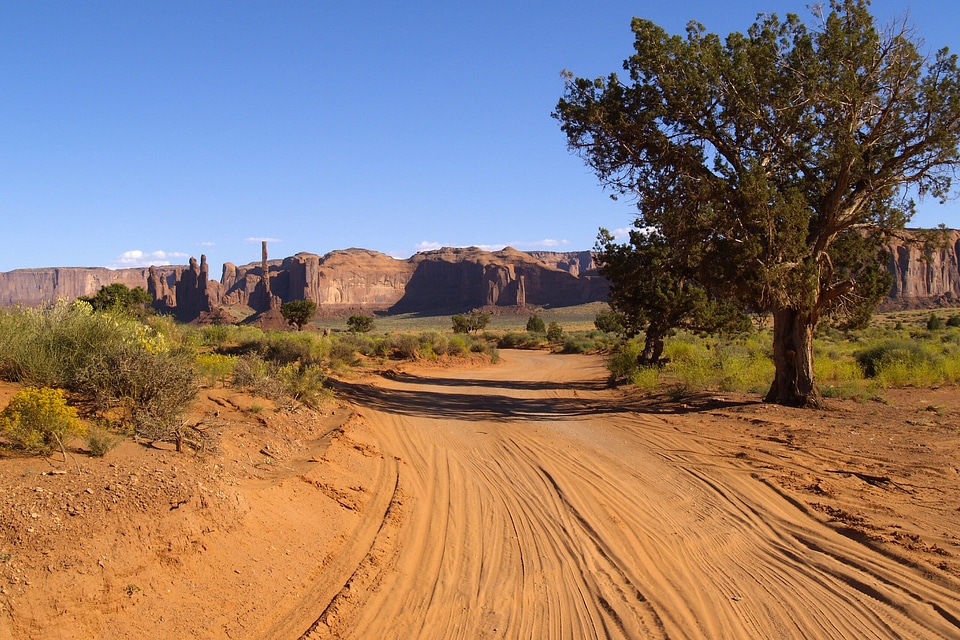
(147, 132)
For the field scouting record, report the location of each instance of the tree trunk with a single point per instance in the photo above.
(652, 346)
(793, 384)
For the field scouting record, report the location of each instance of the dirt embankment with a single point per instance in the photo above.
(523, 500)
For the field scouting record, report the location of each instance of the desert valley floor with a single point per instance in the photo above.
(524, 499)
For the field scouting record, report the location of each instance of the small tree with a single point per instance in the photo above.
(609, 321)
(554, 332)
(470, 322)
(298, 312)
(360, 323)
(535, 324)
(934, 322)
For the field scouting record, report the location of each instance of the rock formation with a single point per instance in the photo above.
(924, 275)
(433, 282)
(32, 287)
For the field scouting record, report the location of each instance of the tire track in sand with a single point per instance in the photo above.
(535, 508)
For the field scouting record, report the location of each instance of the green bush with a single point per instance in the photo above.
(609, 321)
(535, 324)
(405, 346)
(892, 353)
(953, 321)
(360, 323)
(578, 344)
(934, 322)
(40, 419)
(303, 383)
(623, 365)
(554, 332)
(100, 441)
(214, 368)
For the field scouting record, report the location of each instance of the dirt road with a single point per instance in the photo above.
(522, 501)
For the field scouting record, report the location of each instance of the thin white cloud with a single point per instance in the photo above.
(206, 244)
(263, 240)
(426, 245)
(138, 258)
(622, 234)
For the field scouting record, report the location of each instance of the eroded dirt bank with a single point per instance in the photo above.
(522, 500)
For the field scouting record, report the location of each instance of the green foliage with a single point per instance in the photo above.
(654, 289)
(934, 322)
(109, 359)
(554, 332)
(773, 161)
(609, 321)
(304, 383)
(535, 324)
(953, 321)
(214, 368)
(894, 355)
(40, 419)
(360, 323)
(624, 362)
(118, 297)
(100, 441)
(517, 340)
(472, 322)
(298, 312)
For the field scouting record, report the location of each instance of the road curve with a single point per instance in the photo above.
(529, 502)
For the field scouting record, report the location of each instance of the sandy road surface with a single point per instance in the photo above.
(521, 501)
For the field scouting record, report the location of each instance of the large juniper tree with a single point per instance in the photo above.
(785, 153)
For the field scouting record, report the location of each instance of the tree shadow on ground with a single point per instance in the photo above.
(497, 407)
(517, 385)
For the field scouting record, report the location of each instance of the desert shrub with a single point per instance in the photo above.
(216, 335)
(934, 322)
(953, 321)
(554, 332)
(578, 344)
(303, 383)
(100, 441)
(343, 354)
(40, 419)
(405, 346)
(153, 389)
(646, 378)
(517, 340)
(252, 373)
(285, 348)
(214, 368)
(890, 354)
(535, 324)
(456, 346)
(623, 364)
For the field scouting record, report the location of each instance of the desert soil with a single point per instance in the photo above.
(518, 500)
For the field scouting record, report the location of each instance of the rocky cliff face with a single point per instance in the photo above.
(434, 281)
(924, 275)
(442, 281)
(32, 287)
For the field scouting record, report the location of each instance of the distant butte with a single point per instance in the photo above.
(448, 280)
